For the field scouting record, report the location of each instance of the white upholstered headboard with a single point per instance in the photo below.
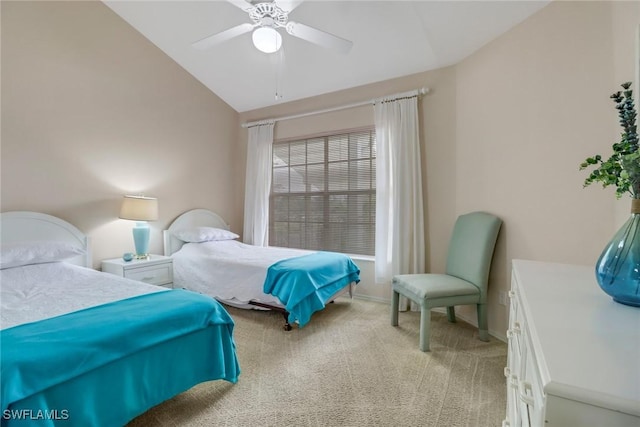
(23, 226)
(189, 219)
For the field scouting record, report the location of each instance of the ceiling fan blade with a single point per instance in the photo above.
(223, 36)
(319, 37)
(288, 5)
(241, 4)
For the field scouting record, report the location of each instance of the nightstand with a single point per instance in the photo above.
(157, 270)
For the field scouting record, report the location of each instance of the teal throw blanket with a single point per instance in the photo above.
(305, 283)
(38, 355)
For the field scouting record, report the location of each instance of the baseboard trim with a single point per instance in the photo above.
(472, 321)
(370, 298)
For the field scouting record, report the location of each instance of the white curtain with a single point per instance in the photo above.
(258, 184)
(399, 213)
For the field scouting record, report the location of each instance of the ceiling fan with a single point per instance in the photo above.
(267, 17)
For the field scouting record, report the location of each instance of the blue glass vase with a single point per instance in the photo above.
(618, 268)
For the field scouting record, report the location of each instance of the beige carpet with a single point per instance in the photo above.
(348, 367)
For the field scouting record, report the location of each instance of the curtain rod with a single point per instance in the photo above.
(409, 94)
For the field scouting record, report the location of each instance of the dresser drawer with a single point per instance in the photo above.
(155, 275)
(530, 391)
(516, 322)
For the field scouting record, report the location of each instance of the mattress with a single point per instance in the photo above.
(35, 292)
(106, 345)
(231, 271)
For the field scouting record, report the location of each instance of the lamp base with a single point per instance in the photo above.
(141, 239)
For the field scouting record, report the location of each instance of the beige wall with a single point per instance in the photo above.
(504, 131)
(437, 115)
(626, 39)
(531, 107)
(91, 110)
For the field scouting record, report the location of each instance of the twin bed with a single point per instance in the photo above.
(85, 348)
(81, 347)
(208, 259)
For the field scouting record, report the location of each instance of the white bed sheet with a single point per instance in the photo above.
(230, 271)
(35, 292)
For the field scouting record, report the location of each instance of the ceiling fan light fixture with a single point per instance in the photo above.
(266, 39)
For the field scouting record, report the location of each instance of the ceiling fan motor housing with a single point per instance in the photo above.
(268, 14)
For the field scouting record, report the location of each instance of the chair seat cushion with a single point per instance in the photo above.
(431, 286)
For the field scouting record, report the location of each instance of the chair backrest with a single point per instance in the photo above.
(471, 248)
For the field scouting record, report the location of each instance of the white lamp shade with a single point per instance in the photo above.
(266, 39)
(139, 208)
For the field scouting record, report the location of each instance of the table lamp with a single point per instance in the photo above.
(140, 209)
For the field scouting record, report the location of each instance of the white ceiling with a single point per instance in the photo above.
(390, 39)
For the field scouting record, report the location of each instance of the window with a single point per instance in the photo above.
(323, 193)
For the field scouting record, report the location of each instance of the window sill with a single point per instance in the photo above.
(357, 257)
(369, 258)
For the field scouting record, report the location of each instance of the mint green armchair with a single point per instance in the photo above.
(465, 281)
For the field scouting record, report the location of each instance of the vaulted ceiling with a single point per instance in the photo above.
(390, 39)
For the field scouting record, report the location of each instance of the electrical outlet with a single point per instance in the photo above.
(502, 298)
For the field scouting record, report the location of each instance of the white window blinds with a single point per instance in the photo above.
(323, 194)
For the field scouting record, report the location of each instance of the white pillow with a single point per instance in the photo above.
(36, 252)
(204, 234)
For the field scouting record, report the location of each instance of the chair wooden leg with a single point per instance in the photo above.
(395, 302)
(425, 328)
(483, 329)
(451, 314)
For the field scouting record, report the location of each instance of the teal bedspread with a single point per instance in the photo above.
(305, 283)
(41, 356)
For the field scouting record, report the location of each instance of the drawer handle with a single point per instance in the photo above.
(511, 294)
(511, 332)
(523, 387)
(512, 379)
(146, 279)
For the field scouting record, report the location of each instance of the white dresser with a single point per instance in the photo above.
(574, 353)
